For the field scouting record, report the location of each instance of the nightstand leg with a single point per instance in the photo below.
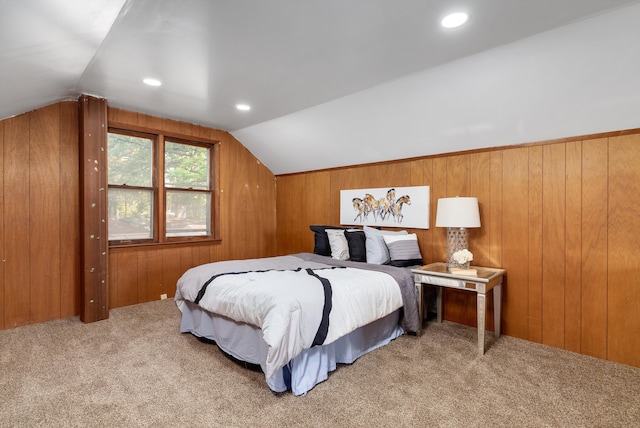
(420, 301)
(497, 308)
(439, 304)
(482, 309)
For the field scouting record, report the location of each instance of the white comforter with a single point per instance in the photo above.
(287, 305)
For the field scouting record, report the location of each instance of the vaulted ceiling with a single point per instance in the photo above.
(335, 82)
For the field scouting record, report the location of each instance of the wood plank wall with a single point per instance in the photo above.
(40, 218)
(39, 213)
(247, 220)
(563, 218)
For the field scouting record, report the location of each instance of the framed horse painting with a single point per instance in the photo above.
(406, 207)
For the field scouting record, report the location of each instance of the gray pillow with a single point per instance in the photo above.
(403, 250)
(377, 252)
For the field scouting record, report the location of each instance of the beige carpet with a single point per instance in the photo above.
(135, 369)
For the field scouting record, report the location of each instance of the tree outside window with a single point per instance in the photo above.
(153, 199)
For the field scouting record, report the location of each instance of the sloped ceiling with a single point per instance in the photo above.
(334, 82)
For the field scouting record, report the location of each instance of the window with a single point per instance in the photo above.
(161, 188)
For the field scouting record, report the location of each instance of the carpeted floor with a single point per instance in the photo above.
(136, 369)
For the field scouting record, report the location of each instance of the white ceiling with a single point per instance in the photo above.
(330, 82)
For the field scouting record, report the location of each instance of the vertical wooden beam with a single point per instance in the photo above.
(93, 205)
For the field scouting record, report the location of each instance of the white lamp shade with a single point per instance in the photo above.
(458, 212)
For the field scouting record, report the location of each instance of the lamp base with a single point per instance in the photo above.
(457, 239)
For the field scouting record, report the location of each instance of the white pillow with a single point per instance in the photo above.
(338, 243)
(377, 252)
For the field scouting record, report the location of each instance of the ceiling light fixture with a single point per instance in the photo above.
(151, 82)
(454, 20)
(243, 107)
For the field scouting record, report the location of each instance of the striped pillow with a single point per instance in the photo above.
(403, 249)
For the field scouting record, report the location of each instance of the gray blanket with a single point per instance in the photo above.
(403, 276)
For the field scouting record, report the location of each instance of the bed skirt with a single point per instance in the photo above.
(244, 342)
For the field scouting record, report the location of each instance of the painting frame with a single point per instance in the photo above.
(400, 206)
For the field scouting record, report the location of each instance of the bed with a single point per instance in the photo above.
(297, 316)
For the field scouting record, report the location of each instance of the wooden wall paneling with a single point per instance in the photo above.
(461, 305)
(69, 211)
(294, 210)
(421, 172)
(480, 187)
(322, 182)
(171, 126)
(391, 175)
(439, 190)
(215, 252)
(154, 274)
(201, 254)
(315, 208)
(573, 247)
(17, 272)
(553, 244)
(257, 209)
(142, 283)
(284, 193)
(515, 240)
(238, 201)
(128, 117)
(623, 292)
(202, 132)
(44, 212)
(187, 128)
(186, 259)
(113, 279)
(127, 279)
(219, 253)
(303, 240)
(342, 179)
(594, 260)
(2, 243)
(248, 224)
(494, 226)
(265, 210)
(171, 270)
(534, 226)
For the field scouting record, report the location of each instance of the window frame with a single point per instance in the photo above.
(159, 138)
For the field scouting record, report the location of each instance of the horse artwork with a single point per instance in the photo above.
(383, 207)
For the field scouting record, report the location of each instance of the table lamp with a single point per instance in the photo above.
(457, 214)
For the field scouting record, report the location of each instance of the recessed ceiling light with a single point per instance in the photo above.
(151, 82)
(454, 20)
(243, 107)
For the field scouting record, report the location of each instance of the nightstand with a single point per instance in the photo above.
(436, 274)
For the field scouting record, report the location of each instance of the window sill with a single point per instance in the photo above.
(162, 245)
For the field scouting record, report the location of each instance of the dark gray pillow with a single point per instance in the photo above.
(357, 245)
